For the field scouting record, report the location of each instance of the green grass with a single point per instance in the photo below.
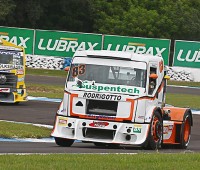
(183, 100)
(45, 72)
(16, 130)
(43, 90)
(101, 162)
(184, 83)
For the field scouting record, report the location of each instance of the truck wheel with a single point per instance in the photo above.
(64, 142)
(185, 131)
(155, 135)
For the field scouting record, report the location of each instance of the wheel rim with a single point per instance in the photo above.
(156, 129)
(187, 130)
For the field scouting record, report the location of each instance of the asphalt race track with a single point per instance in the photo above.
(44, 113)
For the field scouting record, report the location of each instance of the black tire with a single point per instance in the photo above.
(185, 134)
(155, 134)
(64, 142)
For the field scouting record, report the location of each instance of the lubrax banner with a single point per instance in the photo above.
(64, 44)
(19, 36)
(160, 47)
(187, 54)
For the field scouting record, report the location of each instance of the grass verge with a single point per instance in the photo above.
(184, 83)
(43, 90)
(17, 130)
(110, 161)
(45, 72)
(183, 100)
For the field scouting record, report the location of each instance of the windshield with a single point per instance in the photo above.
(10, 59)
(105, 74)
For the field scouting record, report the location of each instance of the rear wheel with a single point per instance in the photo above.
(64, 142)
(154, 138)
(185, 131)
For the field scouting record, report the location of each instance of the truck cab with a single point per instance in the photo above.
(113, 98)
(12, 73)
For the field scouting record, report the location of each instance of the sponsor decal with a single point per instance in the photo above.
(140, 117)
(63, 45)
(4, 90)
(11, 53)
(100, 88)
(62, 121)
(137, 129)
(5, 71)
(19, 72)
(98, 124)
(101, 96)
(101, 117)
(167, 129)
(10, 66)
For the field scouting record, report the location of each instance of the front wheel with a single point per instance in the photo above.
(64, 142)
(155, 134)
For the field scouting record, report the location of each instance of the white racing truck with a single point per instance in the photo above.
(118, 98)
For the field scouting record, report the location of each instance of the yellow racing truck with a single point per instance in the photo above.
(12, 73)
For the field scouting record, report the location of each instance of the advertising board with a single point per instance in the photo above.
(187, 54)
(19, 36)
(138, 45)
(64, 44)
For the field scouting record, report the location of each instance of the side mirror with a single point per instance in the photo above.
(67, 68)
(153, 76)
(167, 77)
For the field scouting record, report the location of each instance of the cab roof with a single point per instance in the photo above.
(118, 55)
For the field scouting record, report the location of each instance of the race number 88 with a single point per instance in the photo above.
(78, 70)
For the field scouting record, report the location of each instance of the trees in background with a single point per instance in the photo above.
(173, 19)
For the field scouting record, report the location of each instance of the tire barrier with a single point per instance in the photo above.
(44, 62)
(59, 63)
(180, 75)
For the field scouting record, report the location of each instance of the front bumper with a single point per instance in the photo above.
(100, 131)
(12, 97)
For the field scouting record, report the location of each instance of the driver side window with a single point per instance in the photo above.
(152, 82)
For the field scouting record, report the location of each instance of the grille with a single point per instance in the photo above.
(11, 80)
(101, 107)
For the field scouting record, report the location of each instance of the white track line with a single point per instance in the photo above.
(189, 87)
